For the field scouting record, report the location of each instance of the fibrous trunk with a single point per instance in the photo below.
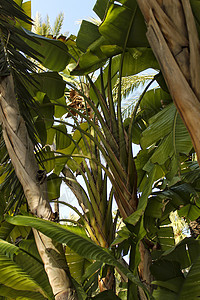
(173, 37)
(21, 152)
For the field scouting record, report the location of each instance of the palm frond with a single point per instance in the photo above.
(58, 25)
(13, 10)
(46, 27)
(37, 23)
(14, 59)
(130, 84)
(42, 27)
(128, 107)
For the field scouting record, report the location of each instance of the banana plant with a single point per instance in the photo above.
(116, 141)
(22, 272)
(78, 241)
(100, 150)
(112, 139)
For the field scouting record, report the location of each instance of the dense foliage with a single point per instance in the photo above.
(70, 92)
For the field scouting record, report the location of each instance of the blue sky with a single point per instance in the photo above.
(74, 11)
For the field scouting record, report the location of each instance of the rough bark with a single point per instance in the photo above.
(21, 152)
(144, 269)
(173, 37)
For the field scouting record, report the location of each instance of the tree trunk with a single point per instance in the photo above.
(21, 152)
(144, 270)
(173, 37)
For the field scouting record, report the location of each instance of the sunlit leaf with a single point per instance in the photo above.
(83, 246)
(54, 53)
(117, 22)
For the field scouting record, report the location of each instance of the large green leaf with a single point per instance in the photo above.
(45, 112)
(122, 235)
(185, 252)
(59, 135)
(89, 62)
(16, 8)
(164, 236)
(53, 53)
(13, 276)
(168, 126)
(190, 211)
(159, 233)
(77, 264)
(41, 130)
(100, 46)
(147, 188)
(181, 194)
(169, 138)
(36, 271)
(122, 19)
(100, 8)
(164, 294)
(77, 242)
(5, 230)
(53, 186)
(140, 161)
(11, 293)
(29, 246)
(50, 83)
(20, 271)
(19, 232)
(153, 102)
(11, 232)
(96, 47)
(137, 60)
(62, 138)
(90, 277)
(154, 208)
(59, 108)
(169, 274)
(88, 33)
